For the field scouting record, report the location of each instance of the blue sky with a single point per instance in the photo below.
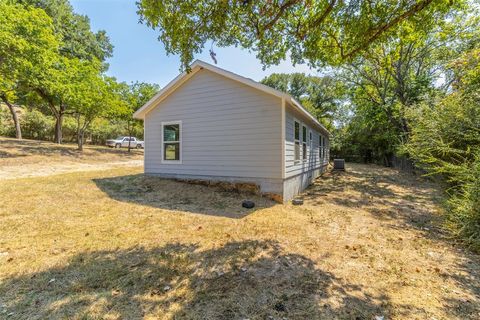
(139, 56)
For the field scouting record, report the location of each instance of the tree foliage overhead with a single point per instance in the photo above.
(74, 32)
(393, 78)
(316, 31)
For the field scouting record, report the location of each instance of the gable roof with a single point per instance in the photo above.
(198, 65)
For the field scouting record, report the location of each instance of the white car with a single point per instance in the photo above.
(124, 141)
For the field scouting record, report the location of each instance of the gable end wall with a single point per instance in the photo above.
(229, 131)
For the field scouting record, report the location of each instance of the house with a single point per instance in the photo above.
(212, 124)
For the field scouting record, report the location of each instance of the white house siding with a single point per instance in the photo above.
(300, 174)
(230, 131)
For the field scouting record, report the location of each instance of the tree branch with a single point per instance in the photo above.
(414, 9)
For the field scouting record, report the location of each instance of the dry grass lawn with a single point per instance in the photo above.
(31, 158)
(113, 244)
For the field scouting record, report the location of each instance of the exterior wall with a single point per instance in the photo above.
(267, 185)
(229, 131)
(300, 174)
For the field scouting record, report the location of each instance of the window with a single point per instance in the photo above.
(172, 145)
(297, 141)
(320, 145)
(304, 142)
(325, 149)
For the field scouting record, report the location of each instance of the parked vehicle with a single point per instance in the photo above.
(122, 142)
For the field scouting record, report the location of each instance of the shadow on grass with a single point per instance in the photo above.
(240, 280)
(182, 196)
(4, 154)
(404, 201)
(373, 189)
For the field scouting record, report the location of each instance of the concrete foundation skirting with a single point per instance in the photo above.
(271, 188)
(275, 189)
(293, 186)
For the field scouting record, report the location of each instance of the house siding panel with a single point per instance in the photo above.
(293, 168)
(299, 174)
(228, 130)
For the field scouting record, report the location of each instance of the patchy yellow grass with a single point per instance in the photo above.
(115, 245)
(14, 152)
(30, 158)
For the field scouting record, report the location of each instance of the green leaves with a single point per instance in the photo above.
(28, 44)
(73, 30)
(445, 141)
(320, 95)
(320, 32)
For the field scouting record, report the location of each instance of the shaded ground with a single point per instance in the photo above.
(117, 245)
(30, 158)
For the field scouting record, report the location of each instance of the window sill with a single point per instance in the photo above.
(171, 161)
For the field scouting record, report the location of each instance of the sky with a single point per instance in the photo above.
(139, 56)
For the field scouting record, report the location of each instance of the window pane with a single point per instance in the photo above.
(297, 150)
(297, 131)
(171, 151)
(171, 132)
(304, 151)
(304, 134)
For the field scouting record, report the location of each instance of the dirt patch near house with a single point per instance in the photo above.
(114, 244)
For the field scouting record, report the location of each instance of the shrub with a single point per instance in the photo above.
(6, 124)
(463, 214)
(36, 125)
(445, 141)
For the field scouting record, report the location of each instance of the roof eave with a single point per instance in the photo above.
(140, 113)
(299, 106)
(198, 65)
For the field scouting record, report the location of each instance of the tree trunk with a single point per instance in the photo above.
(80, 136)
(59, 125)
(16, 122)
(129, 135)
(58, 114)
(58, 128)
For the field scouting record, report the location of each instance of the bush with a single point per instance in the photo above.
(7, 128)
(463, 214)
(36, 125)
(445, 141)
(69, 129)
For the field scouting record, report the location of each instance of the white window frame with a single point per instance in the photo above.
(305, 156)
(320, 146)
(326, 149)
(295, 140)
(163, 124)
(310, 144)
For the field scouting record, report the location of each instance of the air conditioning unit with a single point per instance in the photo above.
(339, 164)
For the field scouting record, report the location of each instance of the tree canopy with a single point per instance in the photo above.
(76, 44)
(28, 45)
(76, 37)
(319, 32)
(52, 61)
(320, 95)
